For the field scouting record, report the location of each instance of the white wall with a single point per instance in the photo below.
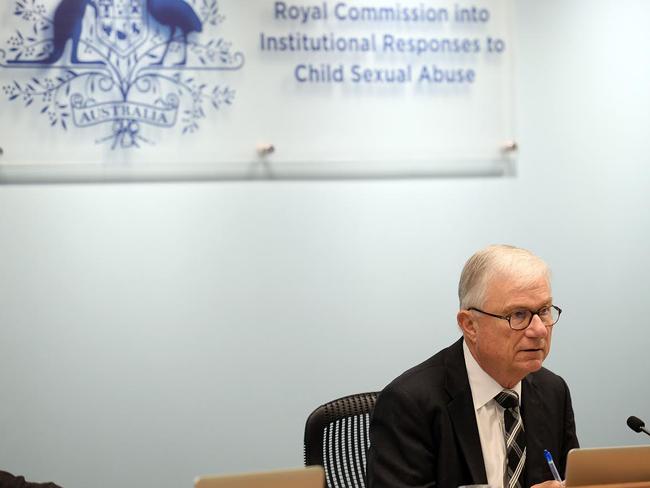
(152, 332)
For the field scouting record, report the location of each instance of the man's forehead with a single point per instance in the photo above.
(512, 289)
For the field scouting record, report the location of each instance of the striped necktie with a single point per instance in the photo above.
(514, 437)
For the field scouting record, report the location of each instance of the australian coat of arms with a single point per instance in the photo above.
(131, 67)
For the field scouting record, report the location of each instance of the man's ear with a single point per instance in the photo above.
(468, 324)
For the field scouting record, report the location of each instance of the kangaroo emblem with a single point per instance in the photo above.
(68, 18)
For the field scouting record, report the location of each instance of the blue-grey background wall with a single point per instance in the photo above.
(152, 332)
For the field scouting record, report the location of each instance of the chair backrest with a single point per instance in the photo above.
(337, 438)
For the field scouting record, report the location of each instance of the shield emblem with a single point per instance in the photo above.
(121, 24)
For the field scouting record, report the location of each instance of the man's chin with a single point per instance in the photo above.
(532, 365)
(531, 361)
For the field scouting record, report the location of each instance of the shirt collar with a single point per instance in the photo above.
(484, 387)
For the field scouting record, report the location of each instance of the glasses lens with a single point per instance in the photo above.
(519, 319)
(555, 314)
(549, 315)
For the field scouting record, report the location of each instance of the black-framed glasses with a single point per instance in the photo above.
(521, 318)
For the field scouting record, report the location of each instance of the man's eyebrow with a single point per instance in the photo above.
(512, 308)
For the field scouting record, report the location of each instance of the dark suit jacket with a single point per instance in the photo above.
(423, 431)
(7, 480)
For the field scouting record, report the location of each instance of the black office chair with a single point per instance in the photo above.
(337, 438)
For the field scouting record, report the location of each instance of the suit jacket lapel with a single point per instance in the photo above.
(461, 413)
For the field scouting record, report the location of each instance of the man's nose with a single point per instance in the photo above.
(536, 327)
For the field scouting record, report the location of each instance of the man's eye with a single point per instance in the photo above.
(520, 314)
(544, 311)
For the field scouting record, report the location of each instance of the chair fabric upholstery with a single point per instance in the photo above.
(337, 438)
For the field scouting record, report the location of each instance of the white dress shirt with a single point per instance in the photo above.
(489, 417)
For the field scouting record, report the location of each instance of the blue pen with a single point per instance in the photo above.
(551, 466)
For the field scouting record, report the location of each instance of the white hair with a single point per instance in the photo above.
(497, 260)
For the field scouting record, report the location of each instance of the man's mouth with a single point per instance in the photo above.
(533, 350)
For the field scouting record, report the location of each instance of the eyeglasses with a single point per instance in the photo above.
(521, 318)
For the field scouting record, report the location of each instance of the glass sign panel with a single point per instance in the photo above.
(254, 88)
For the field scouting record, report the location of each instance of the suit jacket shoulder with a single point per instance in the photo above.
(424, 382)
(7, 480)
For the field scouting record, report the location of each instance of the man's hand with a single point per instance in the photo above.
(549, 484)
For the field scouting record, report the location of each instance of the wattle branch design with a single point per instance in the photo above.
(124, 90)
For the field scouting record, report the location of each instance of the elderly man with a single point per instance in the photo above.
(483, 410)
